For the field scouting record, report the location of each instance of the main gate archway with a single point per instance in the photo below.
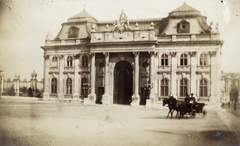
(123, 83)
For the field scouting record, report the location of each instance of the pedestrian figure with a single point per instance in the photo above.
(187, 99)
(228, 104)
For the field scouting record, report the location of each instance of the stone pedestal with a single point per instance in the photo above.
(60, 95)
(106, 99)
(75, 95)
(150, 102)
(91, 100)
(45, 95)
(135, 100)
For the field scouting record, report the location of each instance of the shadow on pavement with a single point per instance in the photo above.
(224, 137)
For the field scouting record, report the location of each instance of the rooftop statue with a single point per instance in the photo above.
(121, 24)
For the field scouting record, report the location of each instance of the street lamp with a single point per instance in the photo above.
(148, 87)
(1, 75)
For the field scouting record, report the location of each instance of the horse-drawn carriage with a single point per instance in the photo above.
(184, 108)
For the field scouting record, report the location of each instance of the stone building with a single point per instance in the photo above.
(134, 61)
(230, 86)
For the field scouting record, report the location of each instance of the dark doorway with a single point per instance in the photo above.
(84, 88)
(99, 95)
(123, 83)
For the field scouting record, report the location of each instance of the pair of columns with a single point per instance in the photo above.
(106, 97)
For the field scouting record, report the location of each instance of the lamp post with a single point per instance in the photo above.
(1, 75)
(148, 87)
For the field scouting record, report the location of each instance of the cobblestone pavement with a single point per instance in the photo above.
(37, 123)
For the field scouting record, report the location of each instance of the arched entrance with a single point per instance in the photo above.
(123, 83)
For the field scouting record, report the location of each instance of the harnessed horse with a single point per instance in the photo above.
(173, 104)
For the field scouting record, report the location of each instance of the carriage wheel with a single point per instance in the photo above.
(193, 113)
(204, 113)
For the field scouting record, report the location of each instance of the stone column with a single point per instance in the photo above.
(135, 96)
(193, 78)
(34, 81)
(106, 96)
(46, 77)
(92, 96)
(159, 60)
(61, 78)
(16, 85)
(76, 69)
(173, 88)
(152, 95)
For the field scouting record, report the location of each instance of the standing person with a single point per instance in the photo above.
(192, 98)
(187, 99)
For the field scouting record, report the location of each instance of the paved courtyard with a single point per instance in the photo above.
(37, 123)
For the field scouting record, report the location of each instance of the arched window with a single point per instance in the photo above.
(164, 87)
(54, 86)
(183, 87)
(164, 60)
(69, 86)
(203, 88)
(203, 59)
(183, 60)
(84, 87)
(54, 61)
(69, 61)
(84, 61)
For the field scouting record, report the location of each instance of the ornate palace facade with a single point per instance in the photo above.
(134, 61)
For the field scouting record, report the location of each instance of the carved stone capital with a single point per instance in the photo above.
(60, 56)
(212, 53)
(77, 56)
(106, 54)
(136, 54)
(173, 54)
(92, 54)
(153, 54)
(192, 54)
(46, 56)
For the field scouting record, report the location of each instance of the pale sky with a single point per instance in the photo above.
(24, 25)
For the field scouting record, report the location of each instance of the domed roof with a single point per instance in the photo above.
(184, 9)
(82, 16)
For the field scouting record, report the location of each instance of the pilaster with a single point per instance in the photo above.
(61, 78)
(152, 96)
(46, 77)
(76, 70)
(215, 76)
(193, 77)
(173, 90)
